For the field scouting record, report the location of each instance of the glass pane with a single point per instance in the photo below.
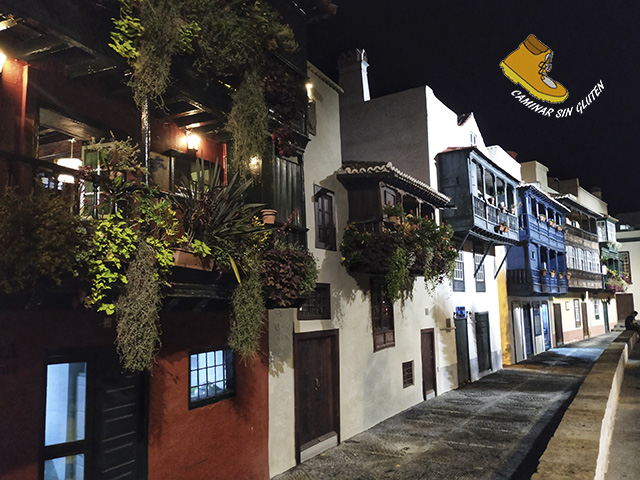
(66, 403)
(202, 360)
(64, 468)
(210, 359)
(219, 360)
(194, 362)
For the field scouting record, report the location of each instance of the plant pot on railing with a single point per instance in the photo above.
(269, 216)
(187, 259)
(543, 273)
(552, 273)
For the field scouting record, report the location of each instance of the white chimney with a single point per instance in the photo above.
(353, 78)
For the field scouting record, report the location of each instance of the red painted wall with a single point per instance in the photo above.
(225, 440)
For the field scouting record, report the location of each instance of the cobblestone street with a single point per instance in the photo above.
(494, 428)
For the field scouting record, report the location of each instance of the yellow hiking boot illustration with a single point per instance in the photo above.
(529, 66)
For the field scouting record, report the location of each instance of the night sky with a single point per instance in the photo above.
(456, 47)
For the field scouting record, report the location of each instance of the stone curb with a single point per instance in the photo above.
(579, 449)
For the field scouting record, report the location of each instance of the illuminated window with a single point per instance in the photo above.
(65, 419)
(212, 377)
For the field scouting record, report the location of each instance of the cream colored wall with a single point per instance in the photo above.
(474, 302)
(630, 242)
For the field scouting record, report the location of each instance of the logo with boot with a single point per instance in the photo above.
(529, 66)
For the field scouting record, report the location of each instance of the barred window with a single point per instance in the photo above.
(212, 377)
(318, 304)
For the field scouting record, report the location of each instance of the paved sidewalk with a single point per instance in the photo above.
(494, 428)
(624, 459)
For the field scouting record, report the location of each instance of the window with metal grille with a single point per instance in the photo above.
(407, 374)
(325, 222)
(458, 275)
(212, 377)
(318, 304)
(382, 315)
(596, 308)
(577, 313)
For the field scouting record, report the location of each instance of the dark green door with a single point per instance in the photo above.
(462, 348)
(482, 339)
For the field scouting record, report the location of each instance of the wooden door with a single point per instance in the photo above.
(428, 363)
(557, 320)
(585, 320)
(120, 421)
(483, 341)
(316, 389)
(624, 303)
(462, 351)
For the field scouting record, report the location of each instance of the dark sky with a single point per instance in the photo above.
(456, 47)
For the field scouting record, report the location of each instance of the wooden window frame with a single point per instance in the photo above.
(381, 316)
(325, 218)
(408, 379)
(318, 304)
(458, 283)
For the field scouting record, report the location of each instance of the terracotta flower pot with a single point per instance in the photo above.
(187, 259)
(269, 216)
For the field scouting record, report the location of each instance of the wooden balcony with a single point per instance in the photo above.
(528, 282)
(491, 223)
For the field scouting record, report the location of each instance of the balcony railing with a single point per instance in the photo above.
(494, 219)
(524, 281)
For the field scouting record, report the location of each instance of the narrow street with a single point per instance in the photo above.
(495, 428)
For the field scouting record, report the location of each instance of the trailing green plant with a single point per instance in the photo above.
(397, 279)
(137, 312)
(40, 240)
(419, 246)
(112, 242)
(248, 311)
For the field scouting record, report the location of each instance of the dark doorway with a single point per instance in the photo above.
(585, 320)
(557, 320)
(624, 302)
(605, 312)
(483, 341)
(528, 334)
(462, 349)
(428, 363)
(316, 390)
(106, 408)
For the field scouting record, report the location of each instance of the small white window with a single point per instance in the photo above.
(473, 139)
(211, 376)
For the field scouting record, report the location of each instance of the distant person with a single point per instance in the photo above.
(630, 322)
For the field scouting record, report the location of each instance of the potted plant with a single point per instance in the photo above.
(394, 213)
(568, 275)
(560, 275)
(552, 273)
(288, 271)
(512, 209)
(543, 272)
(502, 207)
(542, 218)
(552, 223)
(559, 227)
(268, 216)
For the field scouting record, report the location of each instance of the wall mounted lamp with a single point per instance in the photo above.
(3, 58)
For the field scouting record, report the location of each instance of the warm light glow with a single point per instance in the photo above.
(254, 164)
(3, 58)
(193, 141)
(74, 163)
(309, 86)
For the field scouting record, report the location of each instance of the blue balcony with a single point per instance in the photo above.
(483, 195)
(542, 232)
(528, 282)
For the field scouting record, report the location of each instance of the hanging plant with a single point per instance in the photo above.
(397, 279)
(248, 311)
(137, 312)
(248, 123)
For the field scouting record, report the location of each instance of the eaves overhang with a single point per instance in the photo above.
(355, 171)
